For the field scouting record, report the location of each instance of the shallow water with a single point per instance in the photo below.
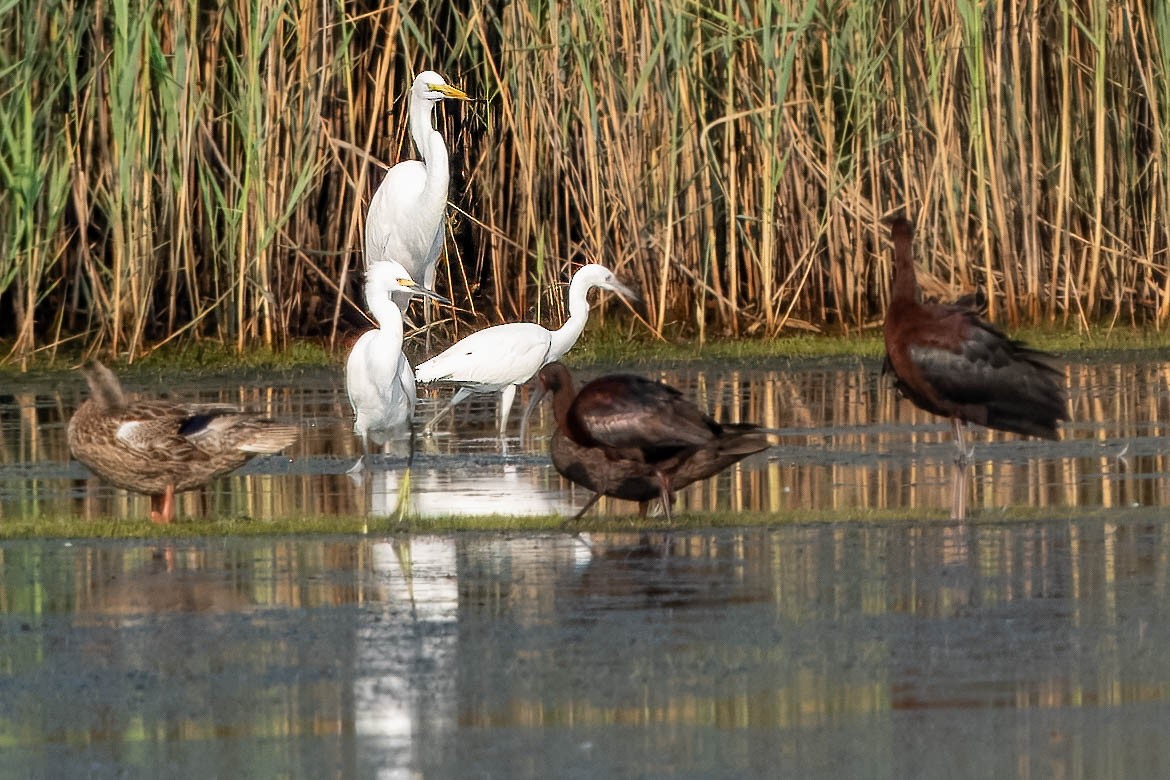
(847, 442)
(988, 649)
(1024, 649)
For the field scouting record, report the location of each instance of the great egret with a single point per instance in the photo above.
(160, 448)
(950, 361)
(406, 219)
(378, 377)
(499, 358)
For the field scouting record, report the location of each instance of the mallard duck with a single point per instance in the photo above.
(160, 448)
(663, 441)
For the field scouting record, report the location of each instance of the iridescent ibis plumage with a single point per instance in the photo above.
(950, 361)
(160, 448)
(632, 438)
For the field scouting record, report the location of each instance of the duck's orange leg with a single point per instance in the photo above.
(162, 508)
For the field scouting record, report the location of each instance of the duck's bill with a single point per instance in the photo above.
(449, 91)
(417, 289)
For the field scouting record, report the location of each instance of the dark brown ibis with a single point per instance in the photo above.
(950, 361)
(632, 438)
(161, 448)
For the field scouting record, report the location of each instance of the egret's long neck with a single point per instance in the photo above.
(433, 151)
(385, 311)
(905, 286)
(566, 336)
(421, 128)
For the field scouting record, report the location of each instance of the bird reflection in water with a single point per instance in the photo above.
(504, 490)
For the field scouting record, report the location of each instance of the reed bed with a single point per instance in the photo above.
(195, 171)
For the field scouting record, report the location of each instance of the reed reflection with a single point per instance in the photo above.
(848, 444)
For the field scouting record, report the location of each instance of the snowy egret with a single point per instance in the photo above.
(499, 358)
(406, 219)
(950, 361)
(636, 439)
(378, 377)
(160, 448)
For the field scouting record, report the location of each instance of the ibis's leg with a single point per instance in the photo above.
(964, 455)
(664, 483)
(959, 472)
(664, 488)
(959, 491)
(588, 505)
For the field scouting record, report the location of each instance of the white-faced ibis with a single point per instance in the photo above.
(497, 359)
(950, 361)
(378, 377)
(160, 448)
(406, 220)
(628, 437)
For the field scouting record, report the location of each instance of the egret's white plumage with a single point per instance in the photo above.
(405, 221)
(499, 358)
(378, 377)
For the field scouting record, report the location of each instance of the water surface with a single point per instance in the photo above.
(1022, 649)
(847, 442)
(925, 648)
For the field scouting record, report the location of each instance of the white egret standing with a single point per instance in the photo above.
(499, 358)
(407, 215)
(378, 377)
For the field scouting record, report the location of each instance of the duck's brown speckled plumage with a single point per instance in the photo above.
(606, 473)
(160, 448)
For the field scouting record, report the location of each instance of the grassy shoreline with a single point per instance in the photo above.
(606, 347)
(67, 528)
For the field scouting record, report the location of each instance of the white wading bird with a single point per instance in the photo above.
(407, 215)
(378, 378)
(499, 358)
